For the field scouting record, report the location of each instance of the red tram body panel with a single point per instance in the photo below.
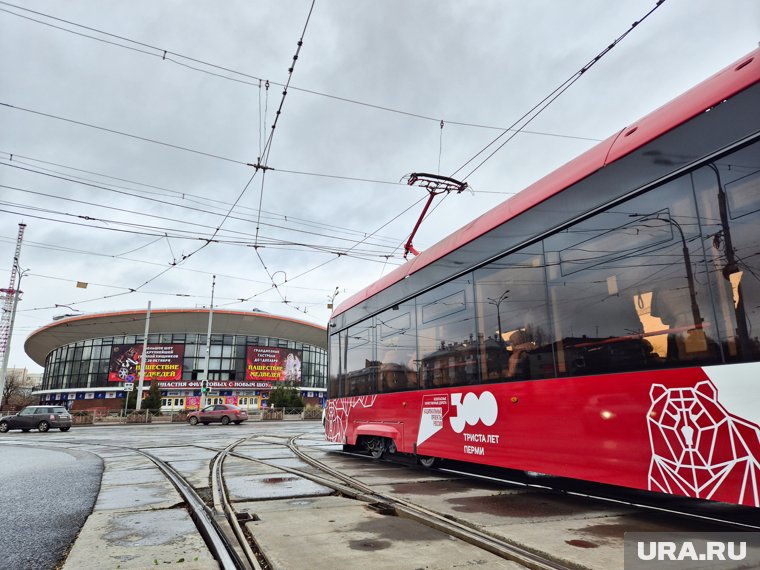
(662, 431)
(617, 344)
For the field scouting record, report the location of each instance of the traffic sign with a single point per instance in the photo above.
(129, 386)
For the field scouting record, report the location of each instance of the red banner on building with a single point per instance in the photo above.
(163, 362)
(269, 364)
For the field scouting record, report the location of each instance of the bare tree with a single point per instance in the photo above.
(17, 392)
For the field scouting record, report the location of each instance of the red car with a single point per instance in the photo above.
(224, 413)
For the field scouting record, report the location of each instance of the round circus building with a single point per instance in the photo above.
(89, 359)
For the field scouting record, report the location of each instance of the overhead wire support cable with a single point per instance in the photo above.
(264, 158)
(125, 134)
(537, 109)
(185, 196)
(268, 145)
(431, 182)
(165, 55)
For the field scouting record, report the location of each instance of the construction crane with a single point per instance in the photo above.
(10, 300)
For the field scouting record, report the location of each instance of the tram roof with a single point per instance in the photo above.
(73, 329)
(726, 83)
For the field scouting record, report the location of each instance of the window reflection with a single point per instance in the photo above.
(624, 290)
(669, 278)
(360, 366)
(397, 348)
(446, 335)
(728, 194)
(513, 328)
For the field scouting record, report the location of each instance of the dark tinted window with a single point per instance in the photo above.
(728, 193)
(514, 334)
(446, 335)
(359, 362)
(670, 278)
(397, 348)
(627, 290)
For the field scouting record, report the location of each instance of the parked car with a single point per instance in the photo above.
(41, 418)
(224, 413)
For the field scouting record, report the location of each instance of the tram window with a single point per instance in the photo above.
(334, 377)
(397, 348)
(446, 335)
(514, 335)
(728, 194)
(622, 279)
(360, 365)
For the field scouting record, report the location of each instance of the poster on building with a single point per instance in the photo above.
(163, 362)
(265, 365)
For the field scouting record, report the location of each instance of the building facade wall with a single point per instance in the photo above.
(76, 374)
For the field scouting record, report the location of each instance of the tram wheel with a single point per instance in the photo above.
(427, 461)
(376, 447)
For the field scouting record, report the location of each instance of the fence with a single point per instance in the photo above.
(115, 417)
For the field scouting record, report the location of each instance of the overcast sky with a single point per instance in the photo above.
(129, 215)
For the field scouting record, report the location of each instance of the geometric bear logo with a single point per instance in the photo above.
(699, 449)
(337, 412)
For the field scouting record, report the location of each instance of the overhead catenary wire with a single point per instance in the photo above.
(253, 80)
(264, 158)
(183, 195)
(211, 155)
(515, 128)
(259, 209)
(537, 109)
(322, 233)
(59, 248)
(124, 134)
(280, 245)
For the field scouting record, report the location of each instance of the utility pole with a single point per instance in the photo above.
(204, 380)
(9, 310)
(143, 361)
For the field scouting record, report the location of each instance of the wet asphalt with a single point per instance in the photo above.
(45, 497)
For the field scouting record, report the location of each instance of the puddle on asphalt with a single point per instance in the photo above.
(519, 505)
(277, 480)
(394, 530)
(649, 522)
(440, 486)
(369, 545)
(582, 543)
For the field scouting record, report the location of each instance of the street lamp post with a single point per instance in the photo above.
(204, 381)
(687, 261)
(497, 302)
(143, 361)
(731, 266)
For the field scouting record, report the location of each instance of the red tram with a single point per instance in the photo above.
(602, 324)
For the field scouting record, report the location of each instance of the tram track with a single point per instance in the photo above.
(388, 504)
(216, 523)
(615, 496)
(234, 546)
(213, 526)
(468, 532)
(222, 504)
